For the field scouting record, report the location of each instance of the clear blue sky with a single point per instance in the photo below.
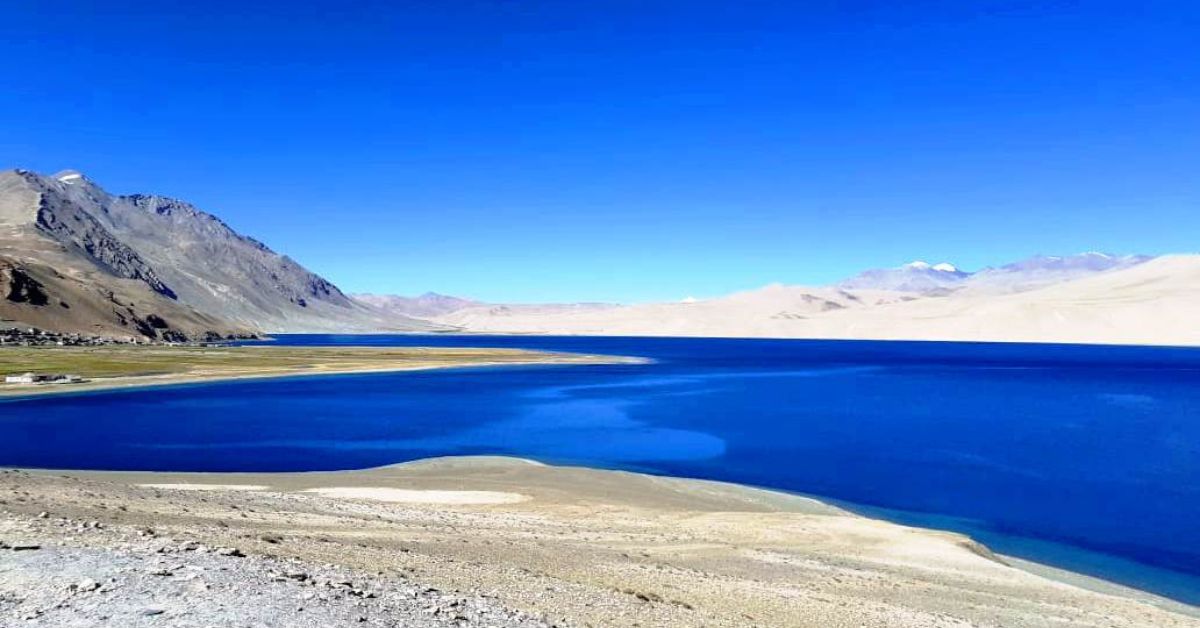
(626, 151)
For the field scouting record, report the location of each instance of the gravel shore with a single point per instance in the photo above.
(115, 579)
(445, 543)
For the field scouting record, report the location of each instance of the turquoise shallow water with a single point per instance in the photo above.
(1085, 457)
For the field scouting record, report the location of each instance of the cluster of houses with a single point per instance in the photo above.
(31, 337)
(42, 378)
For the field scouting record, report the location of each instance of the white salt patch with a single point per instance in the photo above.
(409, 496)
(208, 487)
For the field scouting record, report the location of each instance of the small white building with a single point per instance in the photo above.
(35, 378)
(23, 378)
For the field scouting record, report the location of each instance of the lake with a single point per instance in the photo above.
(1086, 457)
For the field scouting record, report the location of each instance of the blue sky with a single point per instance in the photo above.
(626, 151)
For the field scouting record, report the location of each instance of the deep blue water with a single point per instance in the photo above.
(1038, 450)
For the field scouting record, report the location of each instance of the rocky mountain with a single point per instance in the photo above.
(426, 305)
(1043, 270)
(121, 259)
(915, 276)
(1028, 274)
(61, 294)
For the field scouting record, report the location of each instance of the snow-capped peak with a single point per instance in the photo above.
(944, 267)
(69, 176)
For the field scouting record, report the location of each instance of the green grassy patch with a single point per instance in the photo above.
(123, 361)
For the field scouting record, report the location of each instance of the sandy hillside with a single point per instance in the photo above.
(1151, 303)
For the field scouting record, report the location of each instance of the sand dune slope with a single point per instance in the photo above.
(1153, 303)
(1156, 302)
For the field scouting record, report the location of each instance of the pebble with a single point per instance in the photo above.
(86, 585)
(133, 573)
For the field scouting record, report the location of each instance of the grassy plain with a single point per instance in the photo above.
(121, 366)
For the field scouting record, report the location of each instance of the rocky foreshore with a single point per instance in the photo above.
(57, 571)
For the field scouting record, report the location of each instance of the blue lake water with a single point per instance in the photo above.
(1084, 457)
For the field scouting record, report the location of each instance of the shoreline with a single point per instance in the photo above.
(789, 499)
(16, 392)
(1081, 566)
(217, 480)
(719, 543)
(830, 338)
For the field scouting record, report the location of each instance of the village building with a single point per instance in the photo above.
(41, 378)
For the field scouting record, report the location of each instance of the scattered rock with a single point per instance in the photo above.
(85, 586)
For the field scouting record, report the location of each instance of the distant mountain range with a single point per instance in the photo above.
(1027, 274)
(877, 286)
(915, 276)
(1042, 270)
(427, 305)
(75, 258)
(1087, 298)
(441, 308)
